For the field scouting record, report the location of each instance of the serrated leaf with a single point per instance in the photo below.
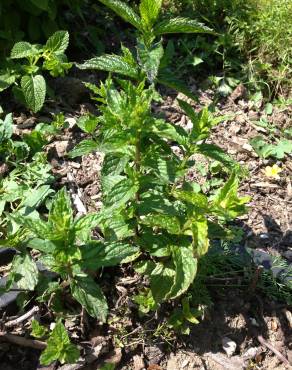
(6, 127)
(261, 147)
(58, 42)
(121, 193)
(34, 91)
(6, 80)
(180, 25)
(25, 272)
(83, 148)
(61, 213)
(200, 235)
(111, 63)
(96, 254)
(114, 165)
(87, 123)
(90, 296)
(162, 279)
(59, 347)
(37, 196)
(149, 59)
(170, 80)
(226, 202)
(149, 11)
(23, 49)
(38, 331)
(169, 223)
(199, 201)
(185, 270)
(218, 154)
(124, 11)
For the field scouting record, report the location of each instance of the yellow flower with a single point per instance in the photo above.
(273, 171)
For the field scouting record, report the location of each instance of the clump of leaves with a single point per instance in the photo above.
(59, 346)
(26, 63)
(65, 248)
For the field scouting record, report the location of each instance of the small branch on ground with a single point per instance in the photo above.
(21, 341)
(274, 350)
(22, 318)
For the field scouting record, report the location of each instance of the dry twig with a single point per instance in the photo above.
(22, 318)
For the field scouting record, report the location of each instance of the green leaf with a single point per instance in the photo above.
(38, 331)
(96, 254)
(162, 279)
(218, 154)
(282, 148)
(23, 49)
(180, 25)
(261, 147)
(149, 11)
(90, 296)
(111, 63)
(226, 202)
(34, 90)
(83, 148)
(185, 270)
(59, 347)
(200, 235)
(41, 4)
(150, 58)
(87, 123)
(6, 128)
(170, 80)
(124, 11)
(199, 201)
(169, 223)
(58, 42)
(61, 213)
(121, 193)
(25, 272)
(37, 196)
(6, 80)
(114, 165)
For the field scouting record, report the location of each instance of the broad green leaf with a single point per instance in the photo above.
(90, 296)
(170, 131)
(37, 227)
(61, 213)
(38, 330)
(42, 245)
(87, 222)
(200, 235)
(150, 58)
(114, 164)
(6, 128)
(226, 202)
(158, 245)
(37, 196)
(41, 4)
(34, 91)
(218, 154)
(59, 347)
(162, 280)
(124, 11)
(111, 63)
(170, 80)
(87, 123)
(96, 254)
(282, 148)
(261, 147)
(180, 25)
(185, 270)
(199, 201)
(169, 223)
(149, 11)
(58, 42)
(83, 148)
(6, 80)
(108, 182)
(121, 193)
(23, 49)
(25, 272)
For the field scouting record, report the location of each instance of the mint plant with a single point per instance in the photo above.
(26, 64)
(148, 201)
(65, 248)
(149, 60)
